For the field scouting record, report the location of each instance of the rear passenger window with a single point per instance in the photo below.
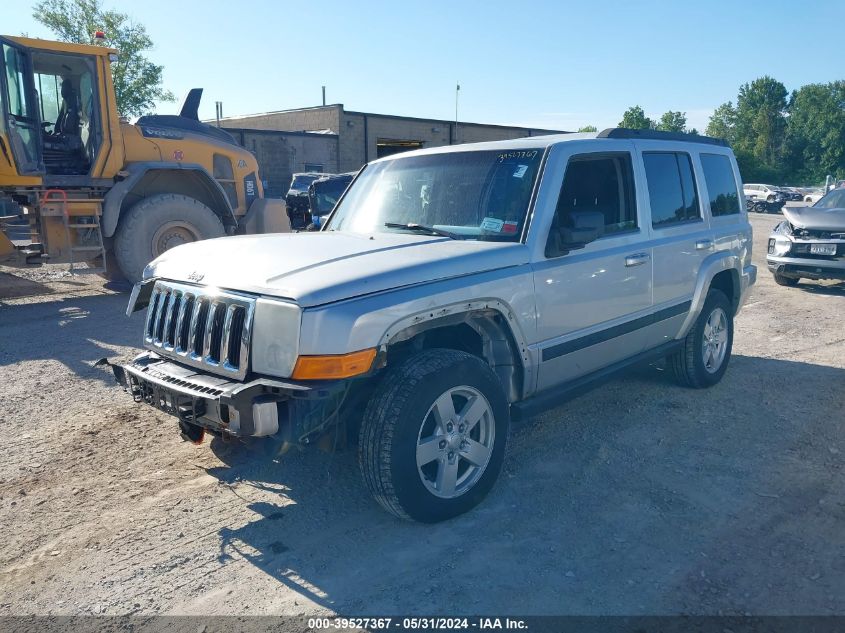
(671, 188)
(721, 184)
(595, 184)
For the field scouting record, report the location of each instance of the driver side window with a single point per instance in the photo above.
(597, 190)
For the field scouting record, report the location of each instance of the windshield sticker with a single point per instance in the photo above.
(509, 227)
(492, 224)
(530, 154)
(520, 171)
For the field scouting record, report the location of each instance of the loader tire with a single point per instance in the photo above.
(157, 224)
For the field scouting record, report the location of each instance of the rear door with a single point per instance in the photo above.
(21, 119)
(681, 235)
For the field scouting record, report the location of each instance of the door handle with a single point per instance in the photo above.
(637, 259)
(703, 245)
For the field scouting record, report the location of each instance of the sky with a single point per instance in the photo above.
(557, 65)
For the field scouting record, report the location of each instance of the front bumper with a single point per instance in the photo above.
(807, 267)
(258, 408)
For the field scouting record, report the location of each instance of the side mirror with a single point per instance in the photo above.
(584, 227)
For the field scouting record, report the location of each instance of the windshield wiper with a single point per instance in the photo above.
(422, 228)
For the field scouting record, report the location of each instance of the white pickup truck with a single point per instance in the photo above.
(451, 290)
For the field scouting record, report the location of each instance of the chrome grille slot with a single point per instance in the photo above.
(201, 327)
(183, 325)
(233, 336)
(215, 331)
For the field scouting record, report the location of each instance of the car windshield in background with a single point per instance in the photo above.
(300, 183)
(833, 200)
(481, 195)
(327, 193)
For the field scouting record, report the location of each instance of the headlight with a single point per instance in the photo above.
(779, 245)
(275, 337)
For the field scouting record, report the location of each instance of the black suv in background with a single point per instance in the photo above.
(297, 198)
(323, 195)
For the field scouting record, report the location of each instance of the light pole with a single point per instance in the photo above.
(457, 92)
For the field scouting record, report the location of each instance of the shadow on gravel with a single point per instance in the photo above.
(835, 290)
(76, 331)
(12, 286)
(639, 497)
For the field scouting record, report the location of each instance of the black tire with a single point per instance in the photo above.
(142, 234)
(790, 282)
(688, 363)
(396, 416)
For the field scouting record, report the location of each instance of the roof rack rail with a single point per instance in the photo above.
(657, 135)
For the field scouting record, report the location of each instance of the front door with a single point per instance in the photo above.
(20, 109)
(592, 302)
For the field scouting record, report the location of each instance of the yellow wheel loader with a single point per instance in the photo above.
(80, 184)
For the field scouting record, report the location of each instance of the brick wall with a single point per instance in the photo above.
(282, 154)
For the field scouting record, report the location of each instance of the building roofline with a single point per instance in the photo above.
(395, 117)
(251, 130)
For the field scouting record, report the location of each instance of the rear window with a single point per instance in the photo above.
(721, 184)
(671, 188)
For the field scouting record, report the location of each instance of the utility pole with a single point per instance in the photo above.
(457, 92)
(218, 107)
(324, 95)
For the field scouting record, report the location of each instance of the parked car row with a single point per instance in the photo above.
(773, 194)
(312, 196)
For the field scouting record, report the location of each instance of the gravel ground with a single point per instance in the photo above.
(639, 498)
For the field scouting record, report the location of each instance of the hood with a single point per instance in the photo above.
(317, 268)
(816, 218)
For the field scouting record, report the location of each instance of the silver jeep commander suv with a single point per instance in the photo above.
(452, 290)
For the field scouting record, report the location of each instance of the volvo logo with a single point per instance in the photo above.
(196, 276)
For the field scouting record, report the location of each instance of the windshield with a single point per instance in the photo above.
(833, 200)
(325, 194)
(301, 182)
(480, 195)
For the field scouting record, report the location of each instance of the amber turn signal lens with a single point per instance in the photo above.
(331, 367)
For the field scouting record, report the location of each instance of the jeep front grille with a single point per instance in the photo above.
(200, 327)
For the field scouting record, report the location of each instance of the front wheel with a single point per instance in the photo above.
(157, 224)
(703, 359)
(433, 436)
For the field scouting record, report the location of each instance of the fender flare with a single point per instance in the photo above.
(113, 200)
(472, 313)
(710, 267)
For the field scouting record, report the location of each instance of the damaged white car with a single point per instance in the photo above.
(810, 242)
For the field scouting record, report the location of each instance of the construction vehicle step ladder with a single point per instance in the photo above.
(80, 223)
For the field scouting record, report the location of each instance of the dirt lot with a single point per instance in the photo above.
(638, 498)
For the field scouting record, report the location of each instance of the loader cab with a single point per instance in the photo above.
(51, 109)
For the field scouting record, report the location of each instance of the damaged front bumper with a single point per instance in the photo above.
(291, 411)
(808, 267)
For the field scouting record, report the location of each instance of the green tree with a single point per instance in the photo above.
(815, 137)
(722, 123)
(673, 122)
(635, 119)
(137, 81)
(588, 128)
(761, 121)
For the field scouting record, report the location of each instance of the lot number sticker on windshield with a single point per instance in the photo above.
(492, 224)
